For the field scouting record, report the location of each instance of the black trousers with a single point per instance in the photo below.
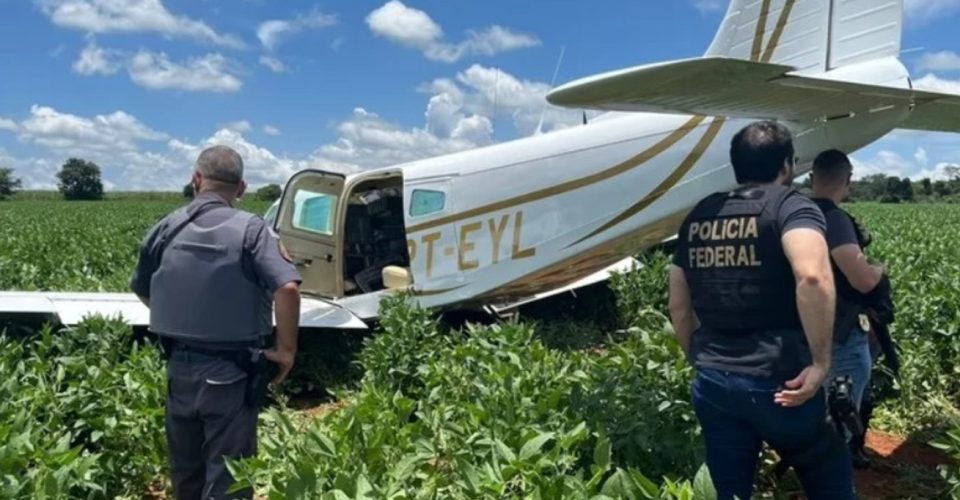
(206, 421)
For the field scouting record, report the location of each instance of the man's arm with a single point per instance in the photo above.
(146, 265)
(682, 315)
(287, 299)
(806, 249)
(279, 276)
(853, 264)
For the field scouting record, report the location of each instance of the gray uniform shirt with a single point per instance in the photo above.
(262, 255)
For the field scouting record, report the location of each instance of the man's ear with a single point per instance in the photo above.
(197, 181)
(243, 188)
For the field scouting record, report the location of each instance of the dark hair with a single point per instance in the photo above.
(760, 151)
(832, 167)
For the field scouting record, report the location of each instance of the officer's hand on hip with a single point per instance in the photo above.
(802, 388)
(283, 358)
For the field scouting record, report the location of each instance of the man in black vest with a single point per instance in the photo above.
(752, 303)
(210, 275)
(856, 281)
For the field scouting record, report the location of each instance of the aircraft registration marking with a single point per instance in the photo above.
(475, 239)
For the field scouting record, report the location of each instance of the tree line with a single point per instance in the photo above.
(891, 189)
(79, 179)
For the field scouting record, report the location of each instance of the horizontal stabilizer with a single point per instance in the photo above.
(72, 308)
(940, 116)
(736, 88)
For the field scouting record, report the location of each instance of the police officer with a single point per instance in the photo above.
(752, 302)
(210, 275)
(855, 280)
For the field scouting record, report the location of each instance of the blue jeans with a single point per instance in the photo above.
(852, 358)
(738, 414)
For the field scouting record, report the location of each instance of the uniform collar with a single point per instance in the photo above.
(210, 196)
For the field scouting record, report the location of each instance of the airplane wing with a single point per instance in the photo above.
(70, 308)
(717, 86)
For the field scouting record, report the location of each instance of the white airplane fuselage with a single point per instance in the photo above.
(530, 215)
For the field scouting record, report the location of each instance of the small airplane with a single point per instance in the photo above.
(518, 221)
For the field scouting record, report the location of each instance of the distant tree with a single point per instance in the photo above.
(952, 172)
(188, 190)
(942, 189)
(269, 192)
(80, 180)
(926, 187)
(872, 187)
(8, 184)
(905, 192)
(891, 190)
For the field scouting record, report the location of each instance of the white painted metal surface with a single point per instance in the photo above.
(71, 308)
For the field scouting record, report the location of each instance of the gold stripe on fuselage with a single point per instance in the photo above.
(625, 166)
(667, 184)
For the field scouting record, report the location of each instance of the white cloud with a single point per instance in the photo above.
(117, 131)
(7, 124)
(35, 173)
(946, 60)
(96, 60)
(493, 93)
(459, 115)
(273, 63)
(705, 6)
(891, 163)
(934, 83)
(924, 10)
(130, 16)
(270, 32)
(208, 73)
(921, 157)
(238, 126)
(414, 28)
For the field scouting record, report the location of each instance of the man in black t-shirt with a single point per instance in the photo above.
(752, 304)
(854, 278)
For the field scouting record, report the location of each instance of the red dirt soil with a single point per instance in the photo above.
(900, 469)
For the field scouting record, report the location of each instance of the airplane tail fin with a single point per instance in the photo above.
(813, 36)
(802, 60)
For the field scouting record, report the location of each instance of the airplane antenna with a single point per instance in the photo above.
(553, 82)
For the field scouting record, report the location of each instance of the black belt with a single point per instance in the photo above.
(229, 351)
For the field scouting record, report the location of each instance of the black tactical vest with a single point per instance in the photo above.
(739, 277)
(849, 300)
(202, 290)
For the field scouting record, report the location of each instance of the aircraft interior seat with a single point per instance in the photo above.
(395, 277)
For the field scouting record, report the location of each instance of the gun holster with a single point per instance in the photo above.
(258, 369)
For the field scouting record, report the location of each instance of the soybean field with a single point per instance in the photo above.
(575, 399)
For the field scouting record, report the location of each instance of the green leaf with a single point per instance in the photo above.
(504, 451)
(602, 453)
(703, 485)
(364, 490)
(532, 447)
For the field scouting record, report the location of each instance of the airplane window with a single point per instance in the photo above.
(424, 202)
(313, 212)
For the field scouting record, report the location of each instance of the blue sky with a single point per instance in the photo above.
(140, 86)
